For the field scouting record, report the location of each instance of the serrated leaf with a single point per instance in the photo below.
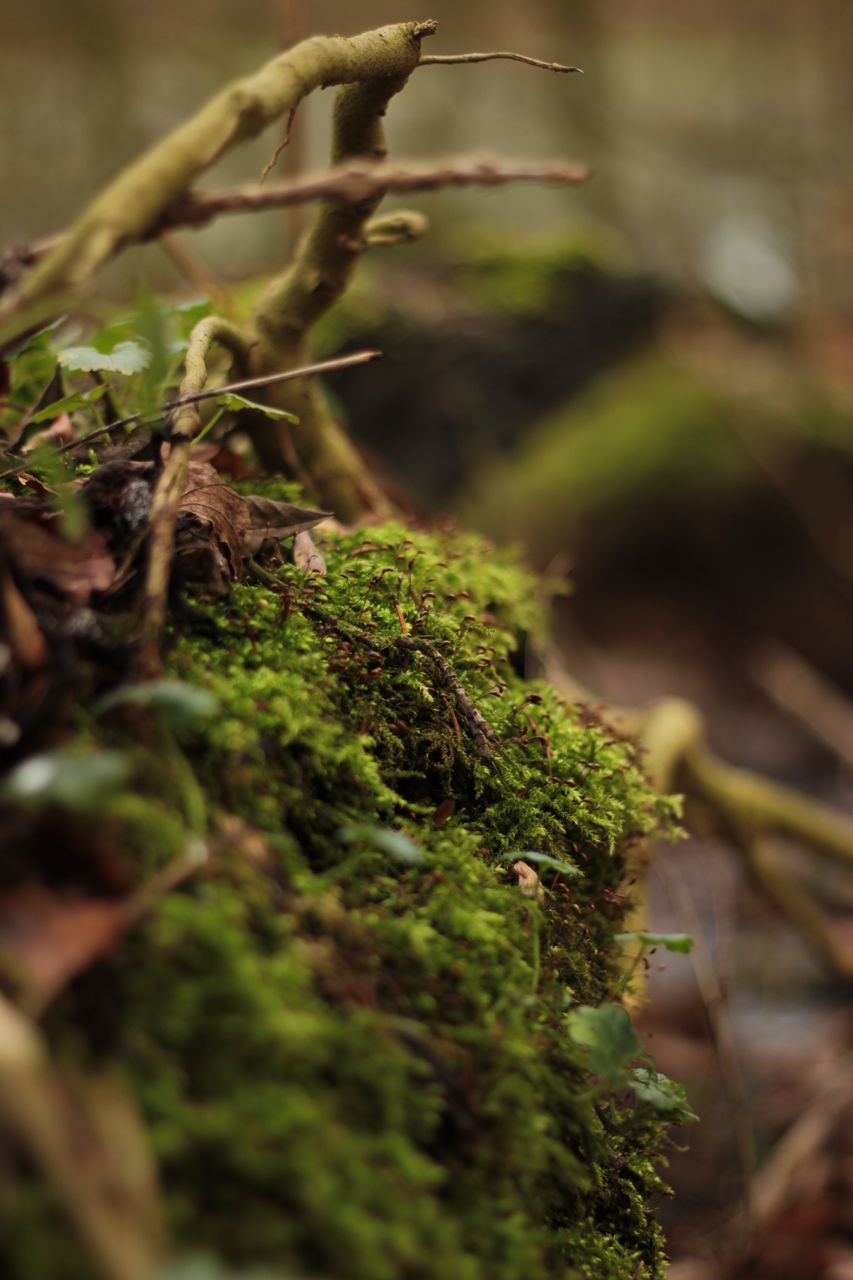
(666, 1097)
(183, 705)
(230, 400)
(125, 357)
(68, 404)
(395, 843)
(607, 1032)
(66, 779)
(680, 942)
(544, 860)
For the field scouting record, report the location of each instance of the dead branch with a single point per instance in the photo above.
(816, 705)
(456, 59)
(348, 183)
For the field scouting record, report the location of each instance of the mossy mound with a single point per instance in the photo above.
(348, 1032)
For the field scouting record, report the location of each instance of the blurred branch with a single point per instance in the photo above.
(803, 693)
(91, 1147)
(746, 806)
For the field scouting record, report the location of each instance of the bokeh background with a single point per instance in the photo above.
(647, 381)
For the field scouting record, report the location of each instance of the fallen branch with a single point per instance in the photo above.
(746, 806)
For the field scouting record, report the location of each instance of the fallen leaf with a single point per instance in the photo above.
(50, 939)
(74, 569)
(306, 556)
(235, 526)
(25, 637)
(270, 521)
(60, 431)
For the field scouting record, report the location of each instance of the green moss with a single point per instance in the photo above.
(351, 1063)
(659, 426)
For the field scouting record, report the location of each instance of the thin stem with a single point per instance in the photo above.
(456, 59)
(246, 384)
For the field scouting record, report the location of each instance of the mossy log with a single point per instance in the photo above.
(346, 1033)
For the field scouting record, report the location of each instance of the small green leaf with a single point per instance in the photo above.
(666, 1097)
(608, 1033)
(544, 860)
(69, 404)
(230, 400)
(125, 357)
(67, 779)
(395, 843)
(184, 706)
(681, 942)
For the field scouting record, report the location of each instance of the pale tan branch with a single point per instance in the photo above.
(793, 899)
(348, 183)
(805, 694)
(455, 59)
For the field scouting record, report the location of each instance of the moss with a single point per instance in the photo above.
(352, 1054)
(659, 426)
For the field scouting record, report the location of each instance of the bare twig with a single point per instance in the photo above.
(285, 142)
(348, 183)
(482, 732)
(107, 1188)
(455, 59)
(246, 384)
(719, 1024)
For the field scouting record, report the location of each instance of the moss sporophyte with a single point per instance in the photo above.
(349, 1033)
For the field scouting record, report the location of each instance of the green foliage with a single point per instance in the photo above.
(607, 1032)
(124, 357)
(66, 779)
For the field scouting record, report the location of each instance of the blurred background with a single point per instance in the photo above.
(648, 382)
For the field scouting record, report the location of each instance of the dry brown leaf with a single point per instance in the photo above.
(22, 629)
(50, 939)
(234, 527)
(75, 569)
(60, 431)
(270, 521)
